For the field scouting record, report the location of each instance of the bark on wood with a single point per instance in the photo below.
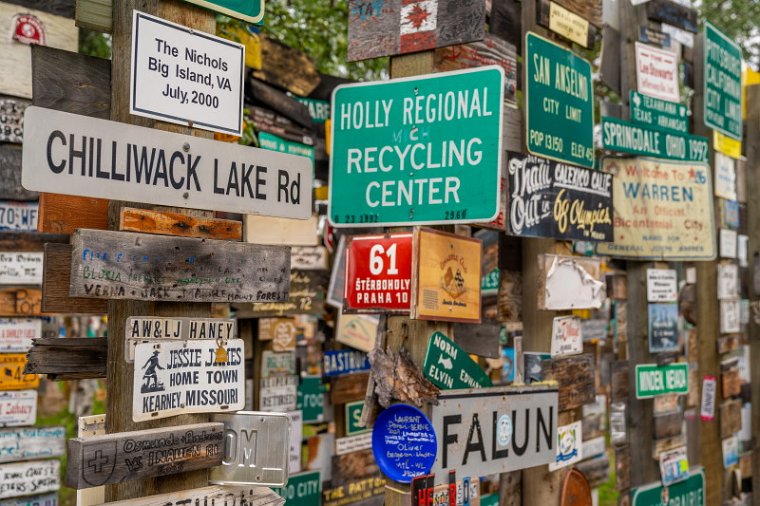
(170, 223)
(260, 92)
(398, 378)
(56, 277)
(68, 358)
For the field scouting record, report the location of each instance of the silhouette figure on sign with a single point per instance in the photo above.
(150, 374)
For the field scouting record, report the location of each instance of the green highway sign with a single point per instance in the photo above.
(560, 103)
(449, 366)
(303, 489)
(650, 111)
(723, 83)
(653, 380)
(688, 491)
(250, 11)
(619, 135)
(311, 398)
(353, 416)
(319, 110)
(416, 151)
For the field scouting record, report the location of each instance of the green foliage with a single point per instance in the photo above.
(94, 43)
(739, 19)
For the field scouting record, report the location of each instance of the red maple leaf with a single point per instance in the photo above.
(417, 16)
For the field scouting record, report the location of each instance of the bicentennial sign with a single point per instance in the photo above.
(723, 83)
(418, 150)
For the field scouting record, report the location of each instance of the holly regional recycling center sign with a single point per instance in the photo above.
(415, 151)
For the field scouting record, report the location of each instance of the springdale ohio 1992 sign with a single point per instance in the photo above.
(419, 150)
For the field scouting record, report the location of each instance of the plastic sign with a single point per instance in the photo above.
(378, 273)
(404, 443)
(250, 11)
(414, 151)
(723, 83)
(449, 366)
(653, 380)
(625, 137)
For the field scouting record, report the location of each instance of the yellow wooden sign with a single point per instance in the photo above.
(445, 277)
(12, 375)
(568, 24)
(727, 145)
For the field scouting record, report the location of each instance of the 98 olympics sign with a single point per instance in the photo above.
(378, 273)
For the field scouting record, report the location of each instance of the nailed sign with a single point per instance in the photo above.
(21, 268)
(187, 377)
(653, 380)
(650, 111)
(625, 137)
(79, 155)
(657, 72)
(18, 408)
(144, 329)
(554, 199)
(31, 443)
(20, 216)
(303, 489)
(250, 11)
(344, 362)
(16, 334)
(449, 366)
(29, 478)
(723, 83)
(378, 141)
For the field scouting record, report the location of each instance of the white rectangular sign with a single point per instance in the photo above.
(567, 337)
(29, 478)
(185, 76)
(662, 285)
(20, 268)
(657, 72)
(18, 216)
(350, 444)
(78, 155)
(296, 439)
(569, 445)
(179, 377)
(18, 408)
(278, 393)
(29, 443)
(728, 281)
(16, 334)
(147, 329)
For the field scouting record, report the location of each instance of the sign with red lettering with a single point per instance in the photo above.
(378, 273)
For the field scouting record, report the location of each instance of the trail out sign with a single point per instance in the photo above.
(653, 380)
(723, 83)
(419, 150)
(559, 103)
(250, 11)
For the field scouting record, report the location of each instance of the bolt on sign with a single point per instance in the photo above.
(185, 76)
(256, 449)
(653, 380)
(18, 408)
(625, 137)
(653, 112)
(378, 273)
(18, 216)
(688, 491)
(445, 277)
(151, 329)
(180, 377)
(657, 72)
(303, 489)
(449, 366)
(250, 11)
(723, 83)
(27, 478)
(418, 150)
(494, 430)
(559, 103)
(79, 155)
(12, 375)
(663, 210)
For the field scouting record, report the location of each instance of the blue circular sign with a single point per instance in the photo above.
(404, 443)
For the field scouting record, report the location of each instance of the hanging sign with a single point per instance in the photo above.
(417, 151)
(657, 72)
(625, 137)
(567, 336)
(662, 285)
(448, 366)
(28, 478)
(569, 445)
(723, 83)
(117, 161)
(378, 273)
(12, 375)
(29, 443)
(16, 334)
(151, 329)
(559, 103)
(250, 11)
(404, 443)
(653, 112)
(18, 408)
(18, 216)
(446, 277)
(663, 210)
(653, 380)
(554, 199)
(303, 489)
(179, 377)
(688, 491)
(337, 362)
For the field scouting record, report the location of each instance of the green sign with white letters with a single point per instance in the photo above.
(684, 492)
(449, 366)
(646, 110)
(416, 151)
(626, 137)
(723, 83)
(653, 380)
(559, 103)
(353, 416)
(311, 398)
(303, 489)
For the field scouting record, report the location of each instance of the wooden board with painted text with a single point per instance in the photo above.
(56, 278)
(19, 479)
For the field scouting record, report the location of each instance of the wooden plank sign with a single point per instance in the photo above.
(307, 296)
(214, 495)
(18, 408)
(20, 268)
(152, 329)
(16, 334)
(20, 216)
(68, 358)
(134, 164)
(29, 478)
(179, 377)
(29, 443)
(124, 456)
(12, 376)
(62, 214)
(20, 301)
(168, 223)
(121, 265)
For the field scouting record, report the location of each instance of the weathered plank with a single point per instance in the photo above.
(543, 13)
(18, 408)
(667, 425)
(673, 13)
(123, 265)
(213, 495)
(29, 241)
(730, 418)
(261, 93)
(56, 278)
(481, 339)
(286, 67)
(273, 123)
(147, 329)
(151, 221)
(284, 231)
(62, 8)
(68, 358)
(575, 375)
(349, 387)
(20, 301)
(21, 268)
(10, 175)
(20, 479)
(353, 466)
(62, 214)
(591, 10)
(29, 443)
(125, 456)
(307, 296)
(94, 15)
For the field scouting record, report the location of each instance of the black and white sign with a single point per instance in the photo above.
(728, 281)
(29, 478)
(144, 329)
(278, 393)
(662, 285)
(20, 268)
(184, 76)
(18, 216)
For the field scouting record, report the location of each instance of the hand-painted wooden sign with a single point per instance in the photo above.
(398, 27)
(282, 332)
(669, 116)
(277, 364)
(278, 393)
(377, 140)
(552, 199)
(657, 73)
(145, 329)
(56, 281)
(18, 408)
(722, 83)
(121, 265)
(337, 362)
(136, 163)
(68, 358)
(12, 120)
(16, 334)
(29, 478)
(524, 434)
(378, 273)
(567, 282)
(448, 366)
(178, 377)
(256, 449)
(31, 443)
(12, 376)
(124, 456)
(446, 277)
(21, 268)
(638, 139)
(663, 210)
(18, 216)
(212, 496)
(653, 380)
(306, 296)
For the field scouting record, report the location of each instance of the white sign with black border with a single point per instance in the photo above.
(185, 76)
(662, 285)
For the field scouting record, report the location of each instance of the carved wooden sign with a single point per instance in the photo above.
(151, 329)
(12, 376)
(121, 265)
(29, 478)
(16, 334)
(119, 457)
(20, 301)
(216, 495)
(18, 408)
(31, 443)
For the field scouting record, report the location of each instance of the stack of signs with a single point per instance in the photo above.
(662, 295)
(448, 366)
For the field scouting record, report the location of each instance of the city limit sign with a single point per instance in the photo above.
(723, 83)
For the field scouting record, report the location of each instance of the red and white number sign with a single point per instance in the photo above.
(378, 273)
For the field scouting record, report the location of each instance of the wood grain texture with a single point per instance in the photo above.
(307, 296)
(269, 121)
(10, 175)
(56, 276)
(215, 494)
(596, 470)
(172, 223)
(68, 358)
(590, 10)
(258, 92)
(62, 214)
(667, 425)
(286, 68)
(349, 387)
(575, 376)
(63, 8)
(20, 302)
(29, 241)
(94, 15)
(481, 339)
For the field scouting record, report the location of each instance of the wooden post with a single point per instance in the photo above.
(119, 372)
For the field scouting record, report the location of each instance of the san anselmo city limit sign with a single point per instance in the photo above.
(414, 151)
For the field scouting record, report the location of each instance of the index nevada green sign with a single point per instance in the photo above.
(250, 11)
(415, 151)
(688, 491)
(653, 380)
(723, 83)
(560, 103)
